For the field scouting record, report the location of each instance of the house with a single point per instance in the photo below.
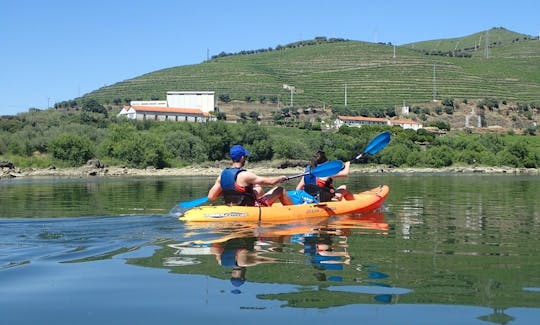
(158, 113)
(406, 124)
(359, 121)
(180, 106)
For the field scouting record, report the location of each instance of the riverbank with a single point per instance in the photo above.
(119, 171)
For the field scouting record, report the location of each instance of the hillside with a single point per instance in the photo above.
(372, 75)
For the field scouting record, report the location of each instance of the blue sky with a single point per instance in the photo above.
(58, 50)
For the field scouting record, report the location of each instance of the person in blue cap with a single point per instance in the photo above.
(241, 187)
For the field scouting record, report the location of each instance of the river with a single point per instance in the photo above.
(445, 249)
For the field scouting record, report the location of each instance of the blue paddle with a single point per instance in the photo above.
(375, 145)
(324, 170)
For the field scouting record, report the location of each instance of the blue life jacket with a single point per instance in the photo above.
(234, 194)
(309, 178)
(323, 191)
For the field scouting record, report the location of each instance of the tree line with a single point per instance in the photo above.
(59, 138)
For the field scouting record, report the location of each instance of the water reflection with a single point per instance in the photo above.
(314, 255)
(456, 248)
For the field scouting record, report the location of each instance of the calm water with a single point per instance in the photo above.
(446, 249)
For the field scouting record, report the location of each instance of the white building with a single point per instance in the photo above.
(203, 100)
(358, 121)
(180, 106)
(166, 114)
(406, 124)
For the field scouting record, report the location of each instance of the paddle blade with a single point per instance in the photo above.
(327, 169)
(375, 145)
(378, 143)
(194, 203)
(179, 209)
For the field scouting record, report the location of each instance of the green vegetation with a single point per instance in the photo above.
(377, 76)
(42, 138)
(493, 84)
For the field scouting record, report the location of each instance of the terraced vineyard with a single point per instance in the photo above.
(375, 75)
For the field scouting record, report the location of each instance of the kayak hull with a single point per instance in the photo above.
(364, 202)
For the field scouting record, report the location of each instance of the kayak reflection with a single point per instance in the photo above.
(320, 245)
(316, 263)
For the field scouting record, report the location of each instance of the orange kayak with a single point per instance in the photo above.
(363, 202)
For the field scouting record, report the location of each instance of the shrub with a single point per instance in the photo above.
(72, 148)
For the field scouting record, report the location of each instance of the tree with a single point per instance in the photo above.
(439, 156)
(94, 106)
(72, 148)
(254, 115)
(225, 98)
(290, 149)
(186, 146)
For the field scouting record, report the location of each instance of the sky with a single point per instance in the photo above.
(57, 50)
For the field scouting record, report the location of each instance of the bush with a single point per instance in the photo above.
(72, 148)
(439, 156)
(291, 149)
(185, 146)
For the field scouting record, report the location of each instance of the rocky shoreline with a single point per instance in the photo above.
(119, 171)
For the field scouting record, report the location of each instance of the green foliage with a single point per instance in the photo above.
(261, 150)
(397, 156)
(92, 105)
(225, 98)
(327, 66)
(135, 148)
(186, 147)
(438, 156)
(64, 137)
(72, 148)
(290, 149)
(441, 125)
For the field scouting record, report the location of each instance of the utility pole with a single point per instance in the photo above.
(487, 45)
(291, 88)
(345, 95)
(434, 81)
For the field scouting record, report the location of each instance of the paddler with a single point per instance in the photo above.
(323, 187)
(241, 187)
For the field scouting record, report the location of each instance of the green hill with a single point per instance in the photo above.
(374, 75)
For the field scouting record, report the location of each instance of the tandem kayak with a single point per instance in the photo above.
(363, 202)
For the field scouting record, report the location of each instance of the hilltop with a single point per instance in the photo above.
(337, 76)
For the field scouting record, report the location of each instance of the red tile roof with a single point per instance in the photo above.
(361, 118)
(178, 110)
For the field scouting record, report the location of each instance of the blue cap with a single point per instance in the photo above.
(237, 151)
(237, 281)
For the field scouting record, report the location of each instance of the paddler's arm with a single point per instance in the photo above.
(301, 184)
(215, 192)
(248, 178)
(343, 172)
